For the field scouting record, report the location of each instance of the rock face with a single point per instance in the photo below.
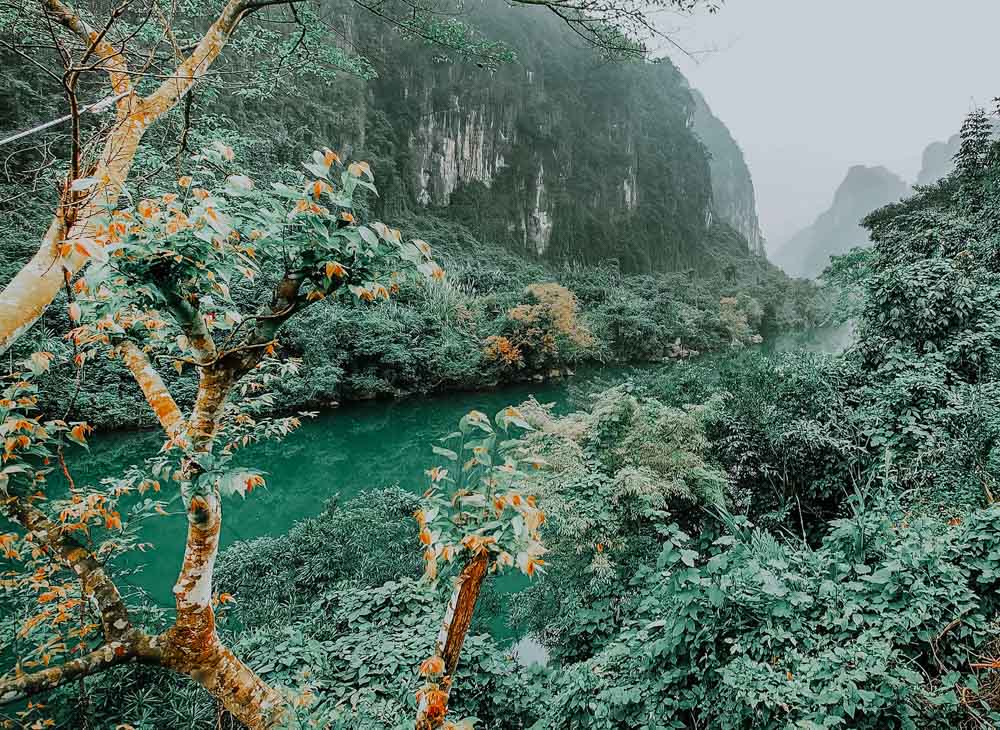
(838, 230)
(559, 154)
(733, 198)
(472, 144)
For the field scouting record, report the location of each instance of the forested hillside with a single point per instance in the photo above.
(555, 153)
(524, 158)
(283, 206)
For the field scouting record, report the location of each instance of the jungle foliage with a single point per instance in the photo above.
(777, 541)
(482, 325)
(812, 544)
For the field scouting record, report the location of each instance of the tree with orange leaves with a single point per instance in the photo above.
(159, 290)
(476, 518)
(149, 282)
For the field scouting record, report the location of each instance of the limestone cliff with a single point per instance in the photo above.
(734, 200)
(558, 154)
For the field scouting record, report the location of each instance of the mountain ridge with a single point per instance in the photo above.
(837, 230)
(558, 155)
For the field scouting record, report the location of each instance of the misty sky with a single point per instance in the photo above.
(811, 87)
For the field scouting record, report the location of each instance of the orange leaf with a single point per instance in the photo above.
(432, 665)
(357, 169)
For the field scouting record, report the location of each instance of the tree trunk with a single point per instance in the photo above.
(155, 390)
(192, 646)
(25, 298)
(457, 619)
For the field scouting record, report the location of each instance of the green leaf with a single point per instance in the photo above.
(368, 235)
(446, 453)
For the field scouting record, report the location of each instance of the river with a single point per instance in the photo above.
(343, 451)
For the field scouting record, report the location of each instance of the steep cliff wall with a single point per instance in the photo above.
(559, 154)
(734, 200)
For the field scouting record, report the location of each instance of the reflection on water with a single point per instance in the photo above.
(528, 651)
(833, 339)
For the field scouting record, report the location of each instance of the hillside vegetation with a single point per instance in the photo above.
(522, 169)
(746, 540)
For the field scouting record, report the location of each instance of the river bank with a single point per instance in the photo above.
(341, 453)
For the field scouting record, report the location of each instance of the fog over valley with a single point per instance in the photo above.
(811, 88)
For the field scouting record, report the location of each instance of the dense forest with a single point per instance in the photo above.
(282, 207)
(608, 246)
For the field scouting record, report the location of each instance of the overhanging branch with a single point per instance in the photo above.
(138, 647)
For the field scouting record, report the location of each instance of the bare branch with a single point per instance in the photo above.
(114, 62)
(138, 647)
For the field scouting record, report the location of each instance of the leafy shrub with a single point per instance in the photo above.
(618, 474)
(871, 630)
(364, 542)
(540, 334)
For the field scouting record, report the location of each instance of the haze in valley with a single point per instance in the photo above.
(810, 88)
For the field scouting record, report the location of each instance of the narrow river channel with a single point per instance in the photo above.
(342, 452)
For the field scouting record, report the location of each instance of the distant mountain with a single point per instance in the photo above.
(838, 230)
(938, 161)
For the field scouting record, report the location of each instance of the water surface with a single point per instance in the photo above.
(342, 452)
